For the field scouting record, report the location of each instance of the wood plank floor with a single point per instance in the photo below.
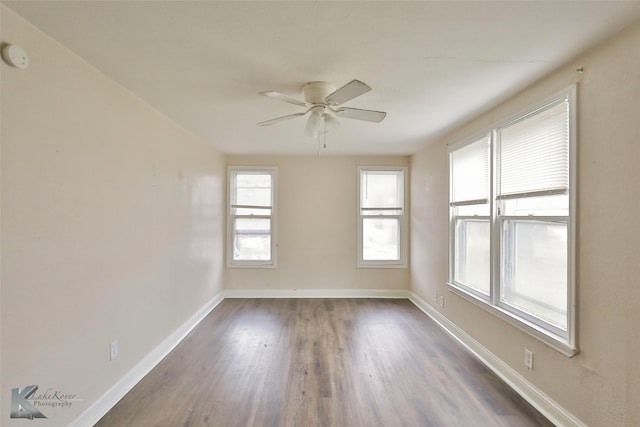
(320, 362)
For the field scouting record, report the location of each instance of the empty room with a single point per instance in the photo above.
(319, 213)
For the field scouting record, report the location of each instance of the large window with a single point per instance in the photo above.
(251, 217)
(511, 232)
(381, 217)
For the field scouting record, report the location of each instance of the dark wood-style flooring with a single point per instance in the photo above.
(320, 362)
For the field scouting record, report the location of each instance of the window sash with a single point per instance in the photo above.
(392, 249)
(260, 237)
(461, 252)
(508, 258)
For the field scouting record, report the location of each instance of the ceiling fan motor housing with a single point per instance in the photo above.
(316, 92)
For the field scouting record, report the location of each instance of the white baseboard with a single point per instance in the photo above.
(100, 407)
(316, 293)
(543, 403)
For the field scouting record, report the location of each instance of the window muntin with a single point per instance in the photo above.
(251, 224)
(529, 218)
(381, 217)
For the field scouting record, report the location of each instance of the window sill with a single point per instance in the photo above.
(267, 266)
(381, 265)
(535, 331)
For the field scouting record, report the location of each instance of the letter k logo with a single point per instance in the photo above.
(21, 407)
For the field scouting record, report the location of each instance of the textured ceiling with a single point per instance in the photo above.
(431, 64)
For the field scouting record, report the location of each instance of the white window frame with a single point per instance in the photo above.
(563, 341)
(273, 172)
(402, 221)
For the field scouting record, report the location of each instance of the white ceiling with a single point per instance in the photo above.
(432, 64)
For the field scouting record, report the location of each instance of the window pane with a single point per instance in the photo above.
(380, 239)
(470, 171)
(253, 189)
(252, 239)
(381, 189)
(472, 254)
(535, 269)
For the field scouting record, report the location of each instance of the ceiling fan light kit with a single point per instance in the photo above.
(320, 100)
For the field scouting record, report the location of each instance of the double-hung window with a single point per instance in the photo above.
(251, 225)
(382, 240)
(511, 212)
(471, 222)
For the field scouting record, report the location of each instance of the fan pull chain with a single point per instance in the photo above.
(324, 133)
(322, 141)
(322, 137)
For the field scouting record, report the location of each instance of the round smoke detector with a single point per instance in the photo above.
(15, 56)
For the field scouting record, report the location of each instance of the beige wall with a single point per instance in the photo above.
(112, 225)
(317, 227)
(112, 228)
(601, 385)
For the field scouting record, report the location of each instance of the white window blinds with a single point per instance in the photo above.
(533, 155)
(381, 192)
(470, 173)
(251, 193)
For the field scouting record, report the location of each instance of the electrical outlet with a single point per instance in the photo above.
(113, 350)
(528, 359)
(441, 301)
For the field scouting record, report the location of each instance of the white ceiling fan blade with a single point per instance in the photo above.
(280, 119)
(347, 92)
(285, 98)
(358, 114)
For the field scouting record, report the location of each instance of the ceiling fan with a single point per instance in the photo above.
(323, 105)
